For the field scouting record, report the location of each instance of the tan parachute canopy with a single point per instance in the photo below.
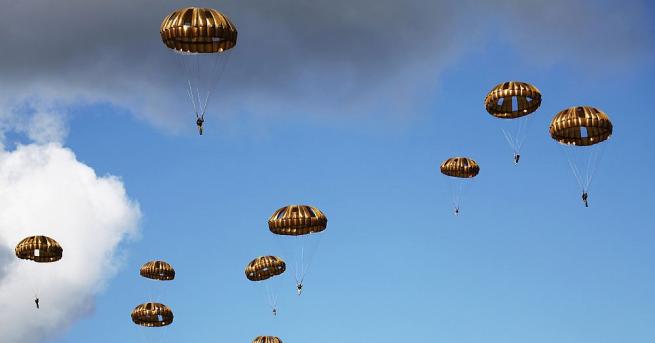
(264, 267)
(500, 100)
(198, 30)
(581, 126)
(267, 339)
(152, 315)
(39, 249)
(460, 167)
(296, 220)
(157, 270)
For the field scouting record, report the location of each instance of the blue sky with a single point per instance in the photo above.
(524, 262)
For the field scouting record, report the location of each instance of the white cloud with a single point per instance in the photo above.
(45, 190)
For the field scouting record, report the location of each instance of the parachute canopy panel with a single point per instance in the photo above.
(40, 249)
(296, 220)
(267, 339)
(462, 167)
(152, 315)
(157, 270)
(512, 99)
(581, 126)
(198, 30)
(265, 267)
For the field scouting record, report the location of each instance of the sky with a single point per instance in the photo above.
(349, 106)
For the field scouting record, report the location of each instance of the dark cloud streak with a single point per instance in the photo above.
(311, 57)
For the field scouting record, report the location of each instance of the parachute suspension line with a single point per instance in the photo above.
(305, 263)
(574, 168)
(592, 165)
(300, 269)
(509, 139)
(209, 82)
(458, 192)
(517, 136)
(212, 82)
(590, 159)
(191, 97)
(186, 61)
(522, 132)
(272, 298)
(196, 75)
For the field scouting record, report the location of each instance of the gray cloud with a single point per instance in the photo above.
(312, 58)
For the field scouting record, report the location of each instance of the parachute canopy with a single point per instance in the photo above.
(296, 220)
(264, 267)
(512, 99)
(462, 167)
(152, 315)
(580, 126)
(157, 270)
(39, 249)
(198, 30)
(267, 339)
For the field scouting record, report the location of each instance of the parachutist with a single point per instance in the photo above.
(36, 301)
(457, 211)
(274, 312)
(517, 157)
(299, 288)
(199, 121)
(585, 196)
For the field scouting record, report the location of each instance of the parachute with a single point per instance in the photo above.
(460, 169)
(580, 130)
(152, 315)
(264, 268)
(514, 101)
(202, 38)
(267, 339)
(157, 270)
(42, 250)
(39, 249)
(299, 225)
